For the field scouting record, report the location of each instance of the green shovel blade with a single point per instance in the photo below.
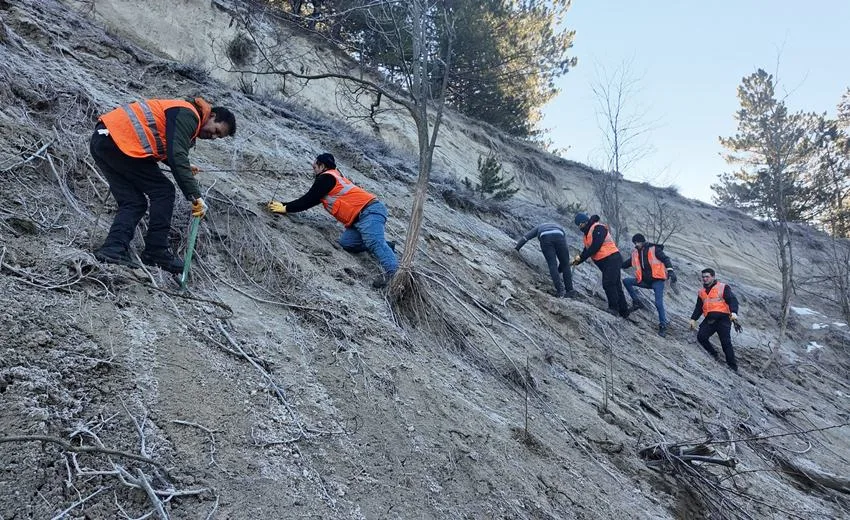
(190, 249)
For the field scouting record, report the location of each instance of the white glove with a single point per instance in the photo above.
(734, 316)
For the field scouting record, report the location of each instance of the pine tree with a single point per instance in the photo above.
(773, 148)
(490, 179)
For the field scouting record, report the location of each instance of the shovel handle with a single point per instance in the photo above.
(190, 249)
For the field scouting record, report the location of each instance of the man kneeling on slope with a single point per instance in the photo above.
(362, 214)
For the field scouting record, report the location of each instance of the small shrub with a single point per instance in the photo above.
(241, 49)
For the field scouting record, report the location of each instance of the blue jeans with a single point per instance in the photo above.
(367, 234)
(657, 286)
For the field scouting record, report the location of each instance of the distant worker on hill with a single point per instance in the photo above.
(719, 306)
(127, 144)
(600, 247)
(362, 214)
(553, 244)
(652, 269)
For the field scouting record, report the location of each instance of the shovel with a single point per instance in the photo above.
(187, 261)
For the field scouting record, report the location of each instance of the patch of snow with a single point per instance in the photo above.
(804, 311)
(818, 326)
(837, 324)
(839, 393)
(813, 346)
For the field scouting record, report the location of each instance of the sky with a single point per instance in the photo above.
(689, 58)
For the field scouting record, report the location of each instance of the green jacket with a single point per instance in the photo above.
(180, 126)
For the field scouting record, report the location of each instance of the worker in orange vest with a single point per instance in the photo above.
(362, 214)
(719, 307)
(600, 247)
(127, 145)
(652, 269)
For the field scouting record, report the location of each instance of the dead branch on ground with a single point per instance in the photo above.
(80, 449)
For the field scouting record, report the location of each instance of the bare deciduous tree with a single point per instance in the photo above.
(661, 221)
(624, 129)
(409, 29)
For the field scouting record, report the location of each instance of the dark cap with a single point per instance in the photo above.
(581, 218)
(638, 238)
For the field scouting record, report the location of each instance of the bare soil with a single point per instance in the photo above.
(282, 385)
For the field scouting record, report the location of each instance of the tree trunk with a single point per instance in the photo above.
(786, 270)
(414, 227)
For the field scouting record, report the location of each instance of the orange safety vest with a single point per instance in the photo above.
(659, 271)
(345, 200)
(138, 128)
(712, 301)
(608, 246)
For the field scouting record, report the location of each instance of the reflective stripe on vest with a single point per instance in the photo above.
(138, 128)
(150, 123)
(345, 200)
(659, 272)
(712, 301)
(608, 247)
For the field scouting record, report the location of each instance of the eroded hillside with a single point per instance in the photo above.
(282, 385)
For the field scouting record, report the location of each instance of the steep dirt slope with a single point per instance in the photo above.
(283, 386)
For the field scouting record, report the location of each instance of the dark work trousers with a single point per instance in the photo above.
(130, 181)
(723, 328)
(557, 254)
(610, 267)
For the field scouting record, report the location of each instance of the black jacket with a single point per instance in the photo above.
(322, 185)
(727, 295)
(646, 271)
(599, 234)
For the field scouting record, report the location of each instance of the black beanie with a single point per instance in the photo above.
(638, 238)
(326, 159)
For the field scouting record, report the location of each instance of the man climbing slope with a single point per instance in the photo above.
(652, 269)
(127, 145)
(362, 214)
(719, 307)
(553, 244)
(600, 247)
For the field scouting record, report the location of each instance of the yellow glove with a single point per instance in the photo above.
(195, 169)
(576, 260)
(199, 207)
(693, 324)
(276, 207)
(734, 316)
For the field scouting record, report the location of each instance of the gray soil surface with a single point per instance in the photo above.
(282, 385)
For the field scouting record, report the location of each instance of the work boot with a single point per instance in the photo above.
(662, 330)
(637, 305)
(558, 294)
(571, 294)
(163, 258)
(612, 312)
(382, 280)
(115, 255)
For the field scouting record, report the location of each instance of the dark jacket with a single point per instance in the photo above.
(646, 271)
(599, 234)
(180, 126)
(730, 298)
(536, 231)
(322, 185)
